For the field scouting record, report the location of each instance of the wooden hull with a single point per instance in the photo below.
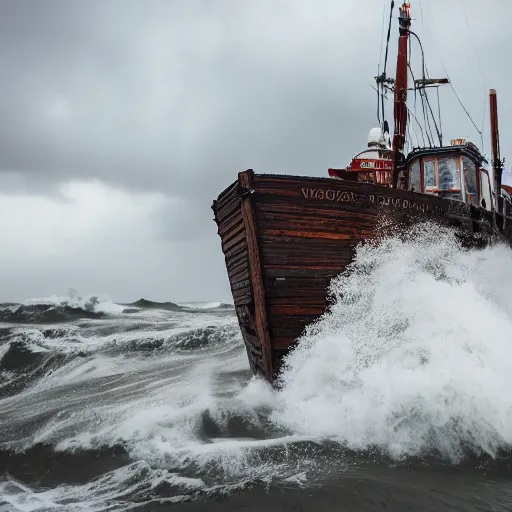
(285, 237)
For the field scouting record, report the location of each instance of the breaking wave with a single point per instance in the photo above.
(33, 351)
(415, 354)
(153, 403)
(56, 309)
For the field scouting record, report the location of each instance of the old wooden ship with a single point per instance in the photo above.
(285, 237)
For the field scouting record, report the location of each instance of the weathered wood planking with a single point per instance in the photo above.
(233, 233)
(285, 237)
(253, 253)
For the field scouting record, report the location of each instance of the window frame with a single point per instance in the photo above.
(477, 177)
(462, 190)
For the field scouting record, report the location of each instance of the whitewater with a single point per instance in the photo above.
(396, 398)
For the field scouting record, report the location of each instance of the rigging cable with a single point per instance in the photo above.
(386, 58)
(415, 103)
(462, 104)
(419, 125)
(380, 62)
(423, 94)
(382, 34)
(409, 113)
(452, 86)
(389, 33)
(439, 113)
(439, 134)
(428, 129)
(479, 68)
(408, 138)
(427, 100)
(423, 68)
(378, 99)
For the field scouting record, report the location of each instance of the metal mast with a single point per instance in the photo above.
(497, 162)
(400, 110)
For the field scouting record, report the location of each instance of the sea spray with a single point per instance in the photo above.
(415, 354)
(413, 358)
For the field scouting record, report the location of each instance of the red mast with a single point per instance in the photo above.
(497, 164)
(400, 111)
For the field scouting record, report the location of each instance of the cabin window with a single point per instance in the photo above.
(416, 175)
(485, 189)
(470, 180)
(448, 171)
(440, 175)
(429, 172)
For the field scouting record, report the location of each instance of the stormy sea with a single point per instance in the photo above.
(398, 398)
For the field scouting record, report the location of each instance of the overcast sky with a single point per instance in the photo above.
(121, 120)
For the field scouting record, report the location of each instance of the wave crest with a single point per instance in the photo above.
(413, 355)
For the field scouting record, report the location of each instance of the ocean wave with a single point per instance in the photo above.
(207, 306)
(29, 354)
(119, 489)
(412, 357)
(56, 309)
(192, 307)
(21, 366)
(148, 304)
(406, 368)
(46, 313)
(94, 303)
(183, 340)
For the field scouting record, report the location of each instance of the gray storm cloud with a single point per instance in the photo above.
(173, 98)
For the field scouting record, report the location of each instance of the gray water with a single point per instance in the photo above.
(397, 399)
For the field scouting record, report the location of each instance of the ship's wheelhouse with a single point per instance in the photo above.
(452, 172)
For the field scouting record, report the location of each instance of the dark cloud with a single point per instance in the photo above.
(176, 97)
(178, 94)
(158, 94)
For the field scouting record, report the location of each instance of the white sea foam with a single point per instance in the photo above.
(415, 354)
(95, 303)
(120, 490)
(201, 305)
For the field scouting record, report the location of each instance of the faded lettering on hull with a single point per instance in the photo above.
(332, 195)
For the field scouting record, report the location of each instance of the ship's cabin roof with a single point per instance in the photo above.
(458, 146)
(453, 172)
